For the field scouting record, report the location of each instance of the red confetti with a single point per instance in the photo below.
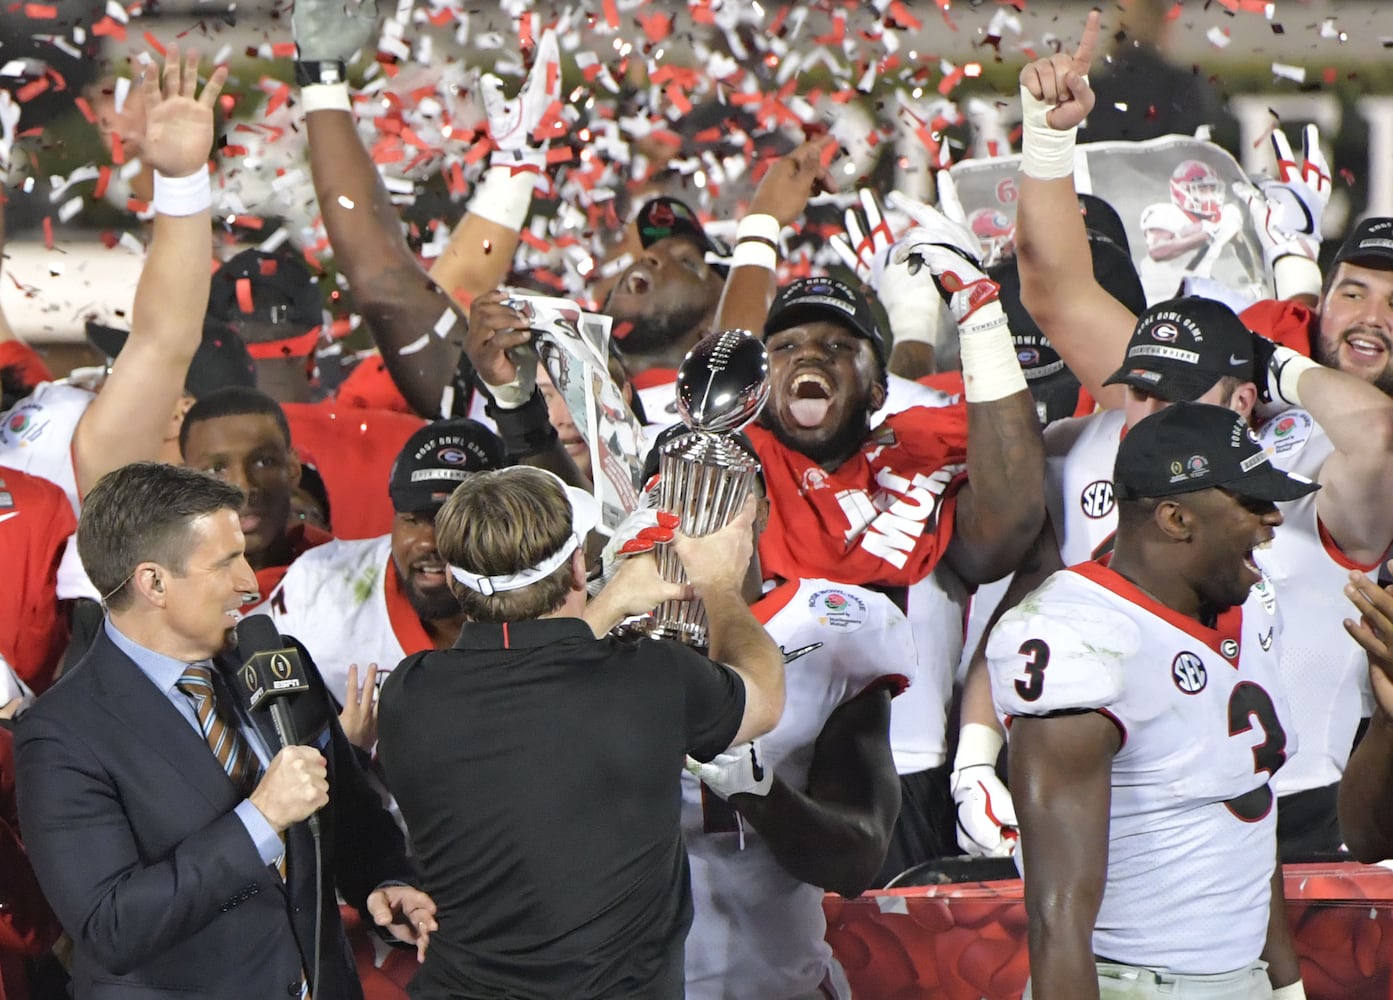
(40, 11)
(154, 42)
(48, 232)
(656, 26)
(108, 26)
(611, 13)
(283, 50)
(244, 295)
(86, 110)
(103, 179)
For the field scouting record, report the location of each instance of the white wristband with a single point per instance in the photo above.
(977, 744)
(1047, 153)
(325, 97)
(991, 370)
(764, 227)
(1290, 367)
(503, 197)
(181, 196)
(1294, 275)
(754, 253)
(1292, 991)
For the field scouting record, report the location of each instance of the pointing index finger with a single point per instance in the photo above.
(1083, 55)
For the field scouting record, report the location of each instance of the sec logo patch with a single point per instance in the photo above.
(1187, 670)
(1097, 499)
(838, 609)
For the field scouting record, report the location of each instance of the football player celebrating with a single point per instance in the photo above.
(1147, 719)
(381, 599)
(1331, 426)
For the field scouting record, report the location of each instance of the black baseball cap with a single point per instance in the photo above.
(1181, 347)
(1371, 244)
(273, 288)
(662, 218)
(221, 360)
(1103, 224)
(1196, 446)
(1053, 386)
(809, 300)
(437, 458)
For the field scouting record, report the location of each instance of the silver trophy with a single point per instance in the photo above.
(705, 476)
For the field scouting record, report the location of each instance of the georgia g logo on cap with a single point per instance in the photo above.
(1164, 332)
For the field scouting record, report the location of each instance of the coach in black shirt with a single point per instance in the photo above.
(537, 767)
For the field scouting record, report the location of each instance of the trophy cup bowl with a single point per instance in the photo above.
(723, 382)
(704, 475)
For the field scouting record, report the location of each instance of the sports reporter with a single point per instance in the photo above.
(165, 830)
(536, 766)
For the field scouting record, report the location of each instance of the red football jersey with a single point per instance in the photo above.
(370, 387)
(353, 450)
(25, 360)
(884, 516)
(35, 522)
(1283, 322)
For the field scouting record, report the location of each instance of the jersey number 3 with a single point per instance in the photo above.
(1248, 700)
(1037, 658)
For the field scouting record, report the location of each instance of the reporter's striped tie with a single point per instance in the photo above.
(233, 753)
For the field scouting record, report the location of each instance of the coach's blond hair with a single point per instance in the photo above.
(501, 522)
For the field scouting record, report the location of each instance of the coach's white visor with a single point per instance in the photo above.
(585, 514)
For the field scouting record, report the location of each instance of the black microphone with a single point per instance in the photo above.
(271, 674)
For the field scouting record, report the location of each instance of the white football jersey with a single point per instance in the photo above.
(336, 600)
(758, 932)
(1192, 823)
(918, 718)
(1324, 672)
(1079, 456)
(36, 434)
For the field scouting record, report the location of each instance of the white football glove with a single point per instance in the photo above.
(1287, 214)
(738, 771)
(986, 814)
(867, 241)
(951, 253)
(513, 122)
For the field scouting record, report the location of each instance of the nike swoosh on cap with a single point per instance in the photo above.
(1235, 360)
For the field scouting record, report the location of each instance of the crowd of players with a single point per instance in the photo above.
(888, 500)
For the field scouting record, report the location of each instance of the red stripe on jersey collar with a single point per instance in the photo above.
(1227, 630)
(775, 601)
(406, 624)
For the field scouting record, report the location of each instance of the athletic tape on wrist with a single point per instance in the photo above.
(991, 370)
(761, 226)
(977, 744)
(1294, 275)
(181, 196)
(1289, 371)
(754, 253)
(325, 97)
(1047, 153)
(503, 197)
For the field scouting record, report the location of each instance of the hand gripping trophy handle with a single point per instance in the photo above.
(704, 475)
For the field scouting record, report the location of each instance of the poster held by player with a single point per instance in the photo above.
(573, 346)
(704, 476)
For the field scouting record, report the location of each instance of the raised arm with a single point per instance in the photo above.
(128, 420)
(1357, 479)
(481, 248)
(417, 326)
(835, 833)
(779, 201)
(1061, 778)
(1001, 509)
(1086, 325)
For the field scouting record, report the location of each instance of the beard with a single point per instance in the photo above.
(1322, 353)
(659, 327)
(431, 604)
(833, 445)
